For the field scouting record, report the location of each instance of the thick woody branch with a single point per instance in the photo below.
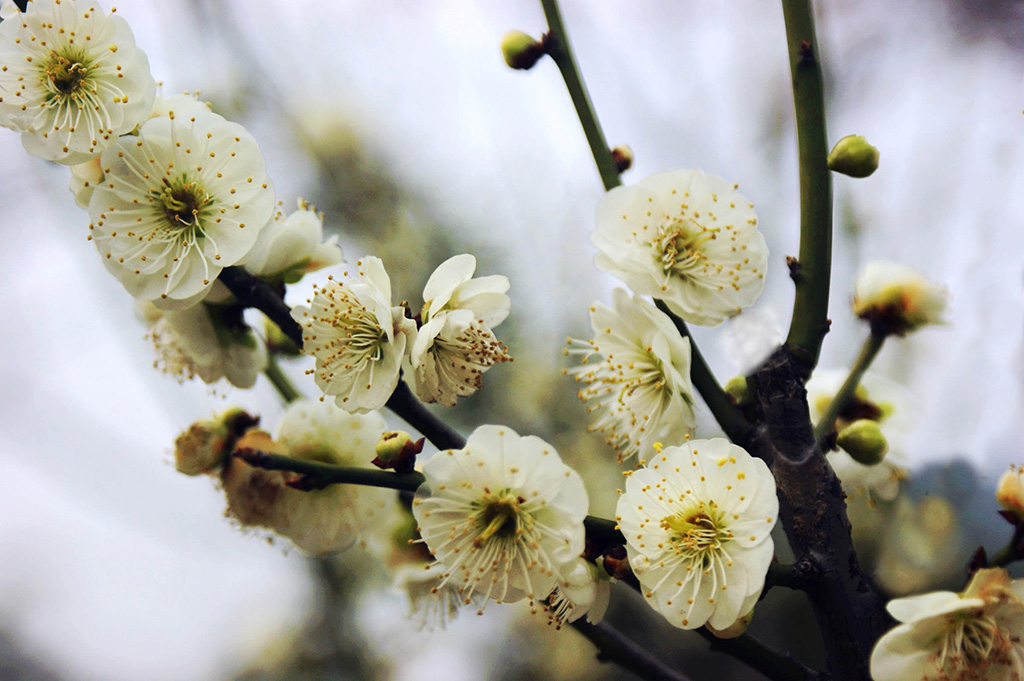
(850, 612)
(256, 293)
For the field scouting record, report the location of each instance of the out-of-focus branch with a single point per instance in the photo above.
(556, 44)
(285, 388)
(612, 646)
(811, 272)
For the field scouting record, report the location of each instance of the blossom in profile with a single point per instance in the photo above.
(697, 522)
(687, 238)
(503, 516)
(456, 344)
(335, 517)
(896, 299)
(72, 80)
(356, 336)
(586, 591)
(208, 341)
(876, 399)
(184, 199)
(293, 245)
(319, 521)
(637, 375)
(944, 636)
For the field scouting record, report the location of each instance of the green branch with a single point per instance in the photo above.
(812, 270)
(285, 388)
(868, 352)
(556, 44)
(725, 412)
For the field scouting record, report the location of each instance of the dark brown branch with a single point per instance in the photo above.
(256, 293)
(612, 646)
(849, 610)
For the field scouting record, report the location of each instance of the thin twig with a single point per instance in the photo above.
(614, 647)
(868, 352)
(811, 272)
(556, 44)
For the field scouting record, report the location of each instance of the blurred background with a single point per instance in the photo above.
(400, 121)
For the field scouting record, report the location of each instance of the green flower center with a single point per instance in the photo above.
(698, 533)
(184, 202)
(678, 245)
(500, 516)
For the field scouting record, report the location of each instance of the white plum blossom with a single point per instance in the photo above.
(877, 399)
(896, 299)
(291, 246)
(687, 238)
(356, 336)
(178, 203)
(503, 515)
(587, 591)
(943, 636)
(640, 388)
(72, 79)
(456, 345)
(697, 522)
(333, 518)
(199, 341)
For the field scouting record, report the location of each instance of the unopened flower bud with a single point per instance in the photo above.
(397, 450)
(863, 440)
(1010, 492)
(623, 157)
(521, 51)
(734, 629)
(616, 562)
(896, 300)
(854, 156)
(203, 447)
(739, 391)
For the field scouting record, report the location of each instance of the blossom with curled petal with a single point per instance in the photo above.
(356, 336)
(640, 388)
(697, 522)
(456, 345)
(687, 238)
(72, 79)
(877, 399)
(503, 515)
(943, 636)
(896, 299)
(184, 199)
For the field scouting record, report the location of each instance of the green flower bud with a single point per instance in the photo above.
(739, 391)
(397, 450)
(864, 441)
(521, 51)
(854, 156)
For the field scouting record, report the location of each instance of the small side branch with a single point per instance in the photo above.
(416, 414)
(722, 408)
(612, 646)
(842, 398)
(757, 655)
(556, 44)
(320, 475)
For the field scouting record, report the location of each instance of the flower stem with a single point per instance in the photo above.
(812, 270)
(867, 354)
(725, 412)
(556, 44)
(614, 647)
(1012, 552)
(285, 388)
(416, 414)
